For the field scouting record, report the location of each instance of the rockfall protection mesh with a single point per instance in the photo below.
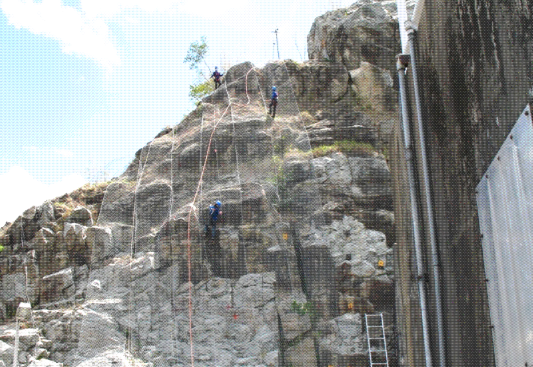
(172, 283)
(160, 288)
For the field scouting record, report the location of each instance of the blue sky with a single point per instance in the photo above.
(86, 83)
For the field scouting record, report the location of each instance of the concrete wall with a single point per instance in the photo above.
(476, 62)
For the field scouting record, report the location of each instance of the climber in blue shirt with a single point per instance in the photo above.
(214, 211)
(217, 77)
(273, 102)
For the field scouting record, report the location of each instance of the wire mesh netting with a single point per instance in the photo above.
(171, 285)
(233, 277)
(159, 281)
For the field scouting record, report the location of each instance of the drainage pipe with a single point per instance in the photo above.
(402, 18)
(411, 32)
(401, 65)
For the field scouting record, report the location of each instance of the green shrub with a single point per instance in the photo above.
(307, 308)
(200, 90)
(280, 179)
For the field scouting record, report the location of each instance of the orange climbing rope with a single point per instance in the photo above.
(192, 207)
(189, 234)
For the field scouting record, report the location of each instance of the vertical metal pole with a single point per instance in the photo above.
(401, 65)
(277, 43)
(384, 339)
(429, 202)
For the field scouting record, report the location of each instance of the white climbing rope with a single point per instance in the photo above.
(237, 151)
(173, 336)
(140, 172)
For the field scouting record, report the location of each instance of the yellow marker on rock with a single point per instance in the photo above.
(285, 236)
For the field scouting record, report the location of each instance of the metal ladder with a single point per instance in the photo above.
(377, 342)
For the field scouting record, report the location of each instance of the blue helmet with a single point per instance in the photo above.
(216, 67)
(218, 203)
(274, 88)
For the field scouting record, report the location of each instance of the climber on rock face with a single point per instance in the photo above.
(273, 102)
(214, 211)
(217, 77)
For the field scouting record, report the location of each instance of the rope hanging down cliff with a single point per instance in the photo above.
(192, 208)
(140, 173)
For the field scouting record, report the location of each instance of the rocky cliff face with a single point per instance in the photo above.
(302, 247)
(367, 31)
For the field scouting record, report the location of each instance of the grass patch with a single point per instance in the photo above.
(292, 153)
(324, 150)
(65, 208)
(349, 147)
(307, 118)
(89, 188)
(89, 196)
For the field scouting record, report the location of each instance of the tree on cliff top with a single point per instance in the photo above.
(195, 58)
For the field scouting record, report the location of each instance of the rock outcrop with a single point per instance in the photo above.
(367, 31)
(363, 32)
(122, 272)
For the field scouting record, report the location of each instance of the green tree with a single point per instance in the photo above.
(195, 58)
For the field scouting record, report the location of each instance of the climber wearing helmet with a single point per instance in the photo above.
(214, 211)
(273, 102)
(217, 77)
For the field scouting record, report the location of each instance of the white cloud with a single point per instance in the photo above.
(20, 191)
(86, 32)
(77, 33)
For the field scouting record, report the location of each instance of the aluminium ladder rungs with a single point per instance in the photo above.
(374, 353)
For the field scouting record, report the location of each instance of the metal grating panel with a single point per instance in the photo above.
(505, 208)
